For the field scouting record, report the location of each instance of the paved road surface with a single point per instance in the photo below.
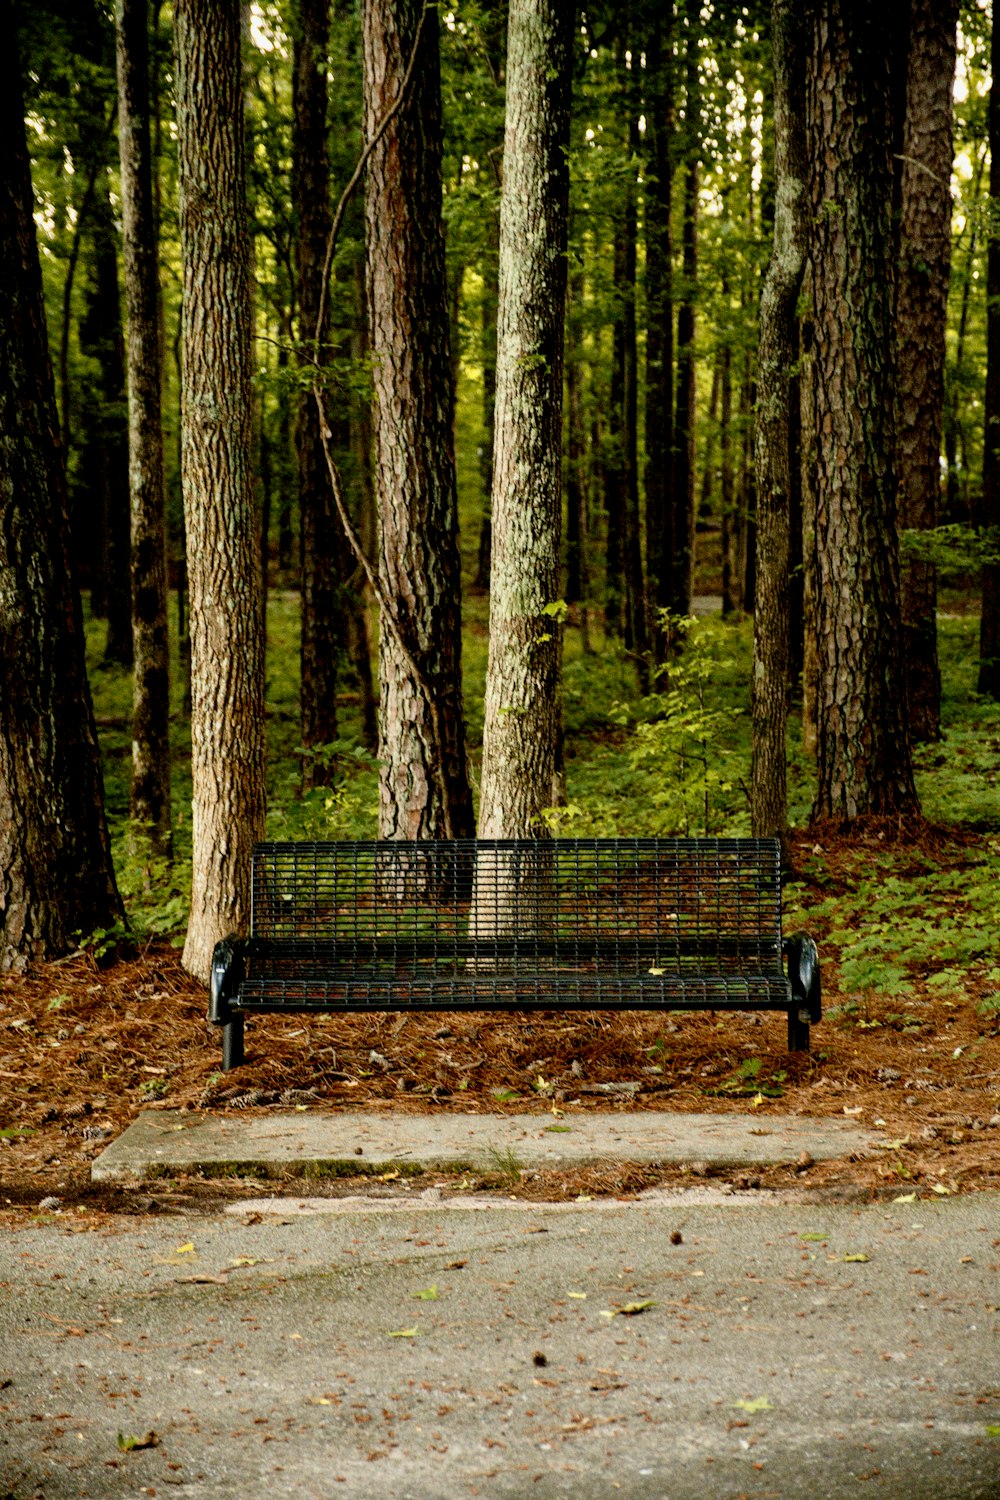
(422, 1350)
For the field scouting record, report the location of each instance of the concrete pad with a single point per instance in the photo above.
(163, 1142)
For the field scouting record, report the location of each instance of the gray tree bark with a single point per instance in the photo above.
(223, 552)
(522, 702)
(424, 783)
(773, 451)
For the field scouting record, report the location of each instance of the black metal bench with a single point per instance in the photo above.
(563, 924)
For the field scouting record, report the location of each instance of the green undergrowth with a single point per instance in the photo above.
(673, 761)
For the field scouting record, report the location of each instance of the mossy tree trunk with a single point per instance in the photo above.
(989, 633)
(774, 454)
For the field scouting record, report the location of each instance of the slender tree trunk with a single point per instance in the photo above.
(357, 614)
(774, 454)
(322, 617)
(863, 747)
(102, 336)
(732, 592)
(523, 715)
(149, 805)
(659, 304)
(223, 547)
(921, 306)
(636, 613)
(424, 783)
(56, 876)
(989, 632)
(683, 477)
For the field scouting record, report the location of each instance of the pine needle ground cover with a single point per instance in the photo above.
(907, 919)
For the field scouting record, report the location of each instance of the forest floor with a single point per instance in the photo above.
(85, 1046)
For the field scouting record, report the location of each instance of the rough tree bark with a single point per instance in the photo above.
(921, 304)
(522, 703)
(659, 302)
(149, 804)
(683, 466)
(223, 553)
(989, 631)
(56, 876)
(863, 746)
(774, 456)
(424, 783)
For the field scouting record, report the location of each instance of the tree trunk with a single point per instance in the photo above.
(774, 454)
(659, 304)
(223, 553)
(522, 715)
(863, 747)
(424, 783)
(102, 337)
(56, 876)
(683, 477)
(921, 305)
(149, 806)
(636, 614)
(989, 631)
(322, 616)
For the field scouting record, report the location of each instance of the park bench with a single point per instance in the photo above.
(488, 925)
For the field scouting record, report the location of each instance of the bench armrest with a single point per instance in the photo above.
(803, 972)
(227, 971)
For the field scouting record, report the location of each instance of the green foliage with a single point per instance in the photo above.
(684, 739)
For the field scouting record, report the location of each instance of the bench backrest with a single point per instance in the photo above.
(629, 904)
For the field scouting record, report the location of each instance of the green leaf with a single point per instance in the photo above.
(429, 1294)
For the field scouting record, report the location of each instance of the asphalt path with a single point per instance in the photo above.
(663, 1348)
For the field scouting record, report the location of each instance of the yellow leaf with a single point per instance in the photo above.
(906, 1198)
(187, 1249)
(580, 1296)
(756, 1101)
(860, 1258)
(403, 1333)
(657, 972)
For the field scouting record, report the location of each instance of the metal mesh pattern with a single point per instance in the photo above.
(616, 923)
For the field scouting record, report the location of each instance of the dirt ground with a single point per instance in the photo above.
(84, 1048)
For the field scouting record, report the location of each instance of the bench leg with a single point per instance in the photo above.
(232, 1043)
(798, 1030)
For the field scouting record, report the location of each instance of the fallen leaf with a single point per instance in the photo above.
(906, 1198)
(128, 1443)
(759, 1403)
(815, 1235)
(629, 1309)
(945, 1192)
(580, 1296)
(860, 1258)
(187, 1249)
(402, 1333)
(429, 1294)
(202, 1278)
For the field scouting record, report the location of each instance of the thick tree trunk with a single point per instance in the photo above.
(322, 616)
(223, 551)
(863, 747)
(522, 702)
(774, 454)
(989, 632)
(921, 305)
(56, 877)
(149, 805)
(424, 783)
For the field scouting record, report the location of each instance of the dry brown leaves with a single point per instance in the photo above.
(84, 1049)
